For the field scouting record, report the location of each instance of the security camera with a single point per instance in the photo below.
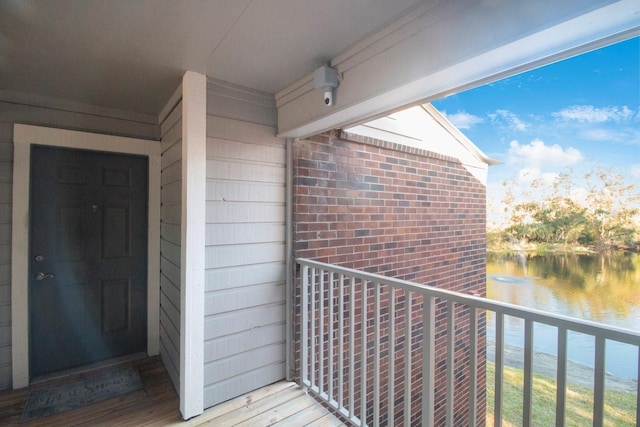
(328, 97)
(326, 78)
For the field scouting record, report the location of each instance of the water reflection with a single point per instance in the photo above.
(603, 288)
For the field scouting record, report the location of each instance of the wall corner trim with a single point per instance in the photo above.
(194, 144)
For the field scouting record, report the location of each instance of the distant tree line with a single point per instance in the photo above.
(600, 214)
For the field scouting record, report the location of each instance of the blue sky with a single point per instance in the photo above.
(567, 116)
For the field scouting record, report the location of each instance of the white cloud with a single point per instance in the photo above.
(635, 170)
(463, 120)
(600, 134)
(537, 154)
(617, 134)
(527, 175)
(511, 120)
(591, 114)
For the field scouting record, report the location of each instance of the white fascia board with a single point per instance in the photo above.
(443, 49)
(461, 138)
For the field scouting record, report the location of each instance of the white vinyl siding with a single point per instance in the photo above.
(170, 249)
(81, 118)
(245, 251)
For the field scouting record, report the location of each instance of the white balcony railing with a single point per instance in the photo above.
(353, 333)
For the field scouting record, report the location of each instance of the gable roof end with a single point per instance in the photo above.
(425, 128)
(459, 136)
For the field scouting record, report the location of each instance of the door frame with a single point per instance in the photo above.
(24, 137)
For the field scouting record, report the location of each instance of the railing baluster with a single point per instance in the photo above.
(598, 382)
(528, 373)
(428, 360)
(341, 343)
(561, 380)
(352, 346)
(473, 368)
(376, 356)
(304, 340)
(363, 356)
(312, 319)
(330, 333)
(407, 358)
(451, 332)
(321, 317)
(499, 362)
(392, 357)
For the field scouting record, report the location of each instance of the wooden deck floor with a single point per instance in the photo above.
(281, 404)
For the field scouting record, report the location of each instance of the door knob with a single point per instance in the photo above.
(42, 276)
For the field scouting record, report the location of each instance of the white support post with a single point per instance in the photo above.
(194, 145)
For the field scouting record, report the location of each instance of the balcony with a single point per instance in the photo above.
(383, 351)
(156, 404)
(363, 341)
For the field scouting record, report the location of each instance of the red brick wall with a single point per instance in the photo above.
(400, 212)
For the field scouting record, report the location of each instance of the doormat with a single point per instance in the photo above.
(84, 391)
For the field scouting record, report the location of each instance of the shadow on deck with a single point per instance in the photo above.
(157, 404)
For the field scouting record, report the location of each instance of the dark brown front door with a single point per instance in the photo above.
(88, 257)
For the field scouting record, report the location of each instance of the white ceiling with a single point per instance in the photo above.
(131, 54)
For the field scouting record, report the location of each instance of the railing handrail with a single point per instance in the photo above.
(570, 323)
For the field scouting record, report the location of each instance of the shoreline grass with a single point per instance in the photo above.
(619, 408)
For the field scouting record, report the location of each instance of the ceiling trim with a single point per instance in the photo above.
(468, 45)
(171, 104)
(75, 107)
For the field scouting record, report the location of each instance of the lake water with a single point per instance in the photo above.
(602, 288)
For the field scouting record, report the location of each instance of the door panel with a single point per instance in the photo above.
(115, 305)
(116, 231)
(88, 257)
